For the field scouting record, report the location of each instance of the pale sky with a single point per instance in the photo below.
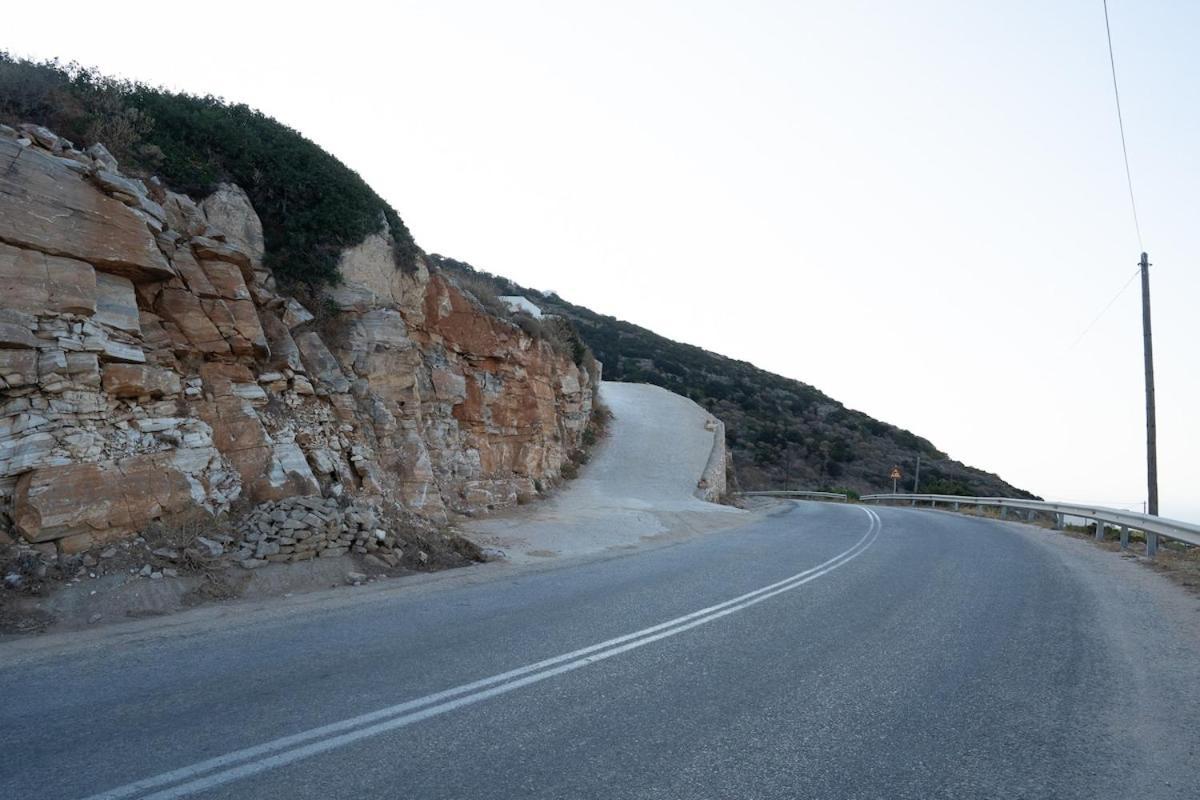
(916, 207)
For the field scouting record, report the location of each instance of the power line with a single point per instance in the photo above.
(1121, 123)
(1104, 310)
(1144, 270)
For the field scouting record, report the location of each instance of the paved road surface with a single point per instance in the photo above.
(922, 656)
(640, 482)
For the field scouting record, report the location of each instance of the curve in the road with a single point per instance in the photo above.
(954, 657)
(243, 763)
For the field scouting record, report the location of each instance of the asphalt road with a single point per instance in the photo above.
(925, 655)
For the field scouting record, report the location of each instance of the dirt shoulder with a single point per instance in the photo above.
(199, 561)
(271, 597)
(1175, 560)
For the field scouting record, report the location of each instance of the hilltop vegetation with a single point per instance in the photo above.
(783, 433)
(312, 206)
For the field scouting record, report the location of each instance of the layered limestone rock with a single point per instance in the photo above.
(149, 364)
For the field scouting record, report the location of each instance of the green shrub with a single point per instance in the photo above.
(931, 485)
(562, 336)
(312, 206)
(484, 293)
(529, 324)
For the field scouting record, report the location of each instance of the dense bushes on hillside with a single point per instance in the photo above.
(312, 206)
(783, 433)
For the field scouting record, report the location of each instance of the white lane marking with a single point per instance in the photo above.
(374, 716)
(397, 716)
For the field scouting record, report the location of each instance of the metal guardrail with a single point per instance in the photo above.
(815, 495)
(1152, 527)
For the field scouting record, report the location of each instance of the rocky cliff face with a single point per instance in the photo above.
(148, 364)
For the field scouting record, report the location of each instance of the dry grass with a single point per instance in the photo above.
(596, 430)
(179, 532)
(1175, 560)
(1179, 563)
(484, 293)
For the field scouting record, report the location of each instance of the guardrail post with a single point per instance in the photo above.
(1151, 544)
(1030, 515)
(956, 505)
(1124, 537)
(1058, 522)
(1099, 531)
(1003, 512)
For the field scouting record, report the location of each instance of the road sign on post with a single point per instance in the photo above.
(895, 476)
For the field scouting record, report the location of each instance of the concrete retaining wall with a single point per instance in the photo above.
(711, 486)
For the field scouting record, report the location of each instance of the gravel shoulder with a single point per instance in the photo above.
(1150, 623)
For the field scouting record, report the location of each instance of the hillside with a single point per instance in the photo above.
(313, 209)
(270, 372)
(311, 205)
(782, 433)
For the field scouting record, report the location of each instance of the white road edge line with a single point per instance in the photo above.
(397, 716)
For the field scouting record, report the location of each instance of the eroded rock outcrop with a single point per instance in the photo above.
(149, 364)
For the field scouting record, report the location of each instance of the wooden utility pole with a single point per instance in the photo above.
(917, 478)
(1151, 434)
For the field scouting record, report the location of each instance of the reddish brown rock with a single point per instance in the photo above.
(268, 470)
(220, 377)
(412, 391)
(47, 504)
(183, 309)
(136, 380)
(34, 282)
(248, 327)
(152, 486)
(45, 206)
(219, 314)
(211, 250)
(193, 275)
(54, 502)
(226, 279)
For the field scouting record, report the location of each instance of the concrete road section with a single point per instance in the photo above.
(828, 651)
(640, 484)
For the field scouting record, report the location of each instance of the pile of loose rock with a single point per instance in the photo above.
(300, 528)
